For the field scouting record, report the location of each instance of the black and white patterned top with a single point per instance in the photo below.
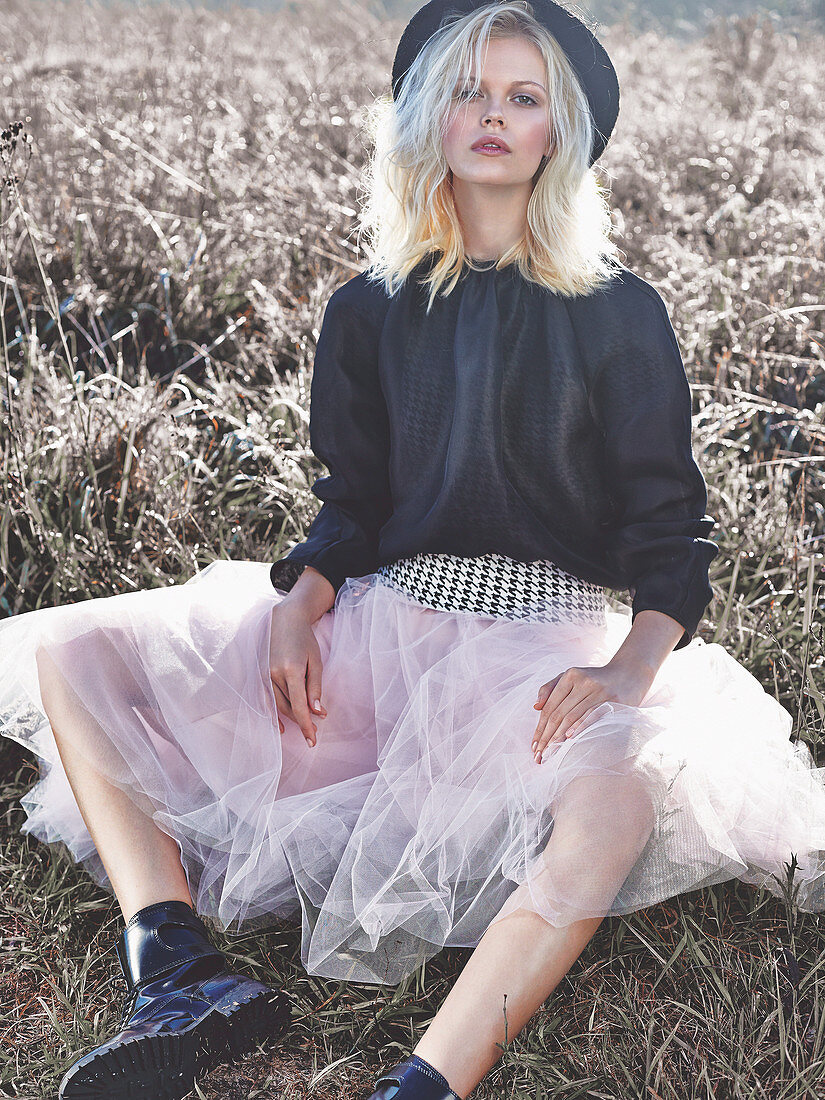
(503, 417)
(494, 584)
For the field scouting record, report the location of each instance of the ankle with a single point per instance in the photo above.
(158, 938)
(431, 1071)
(133, 908)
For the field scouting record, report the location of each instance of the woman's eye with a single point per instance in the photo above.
(467, 93)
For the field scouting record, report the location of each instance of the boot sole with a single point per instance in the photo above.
(166, 1066)
(248, 1022)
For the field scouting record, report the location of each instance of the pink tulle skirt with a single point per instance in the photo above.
(420, 817)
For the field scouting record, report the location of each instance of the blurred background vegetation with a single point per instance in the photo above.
(682, 17)
(178, 187)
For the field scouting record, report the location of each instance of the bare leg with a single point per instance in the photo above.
(142, 862)
(523, 955)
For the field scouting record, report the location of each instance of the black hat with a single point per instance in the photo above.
(585, 53)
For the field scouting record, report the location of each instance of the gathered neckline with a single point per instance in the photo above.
(508, 273)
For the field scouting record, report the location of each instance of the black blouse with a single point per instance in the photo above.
(509, 420)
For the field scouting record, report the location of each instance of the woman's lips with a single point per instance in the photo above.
(491, 151)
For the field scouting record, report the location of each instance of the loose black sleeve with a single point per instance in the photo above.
(642, 400)
(349, 433)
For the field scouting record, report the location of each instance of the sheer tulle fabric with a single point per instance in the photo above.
(421, 816)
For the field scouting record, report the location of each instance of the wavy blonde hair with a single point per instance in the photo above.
(408, 210)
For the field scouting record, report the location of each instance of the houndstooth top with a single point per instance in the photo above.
(494, 584)
(512, 419)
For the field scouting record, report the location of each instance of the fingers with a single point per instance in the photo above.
(298, 696)
(282, 704)
(291, 700)
(296, 670)
(313, 689)
(563, 701)
(567, 727)
(282, 701)
(296, 686)
(562, 693)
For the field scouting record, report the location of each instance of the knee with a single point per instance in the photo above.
(71, 671)
(635, 811)
(618, 811)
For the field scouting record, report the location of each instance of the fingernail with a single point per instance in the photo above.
(533, 746)
(317, 704)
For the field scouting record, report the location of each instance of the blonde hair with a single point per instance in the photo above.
(409, 211)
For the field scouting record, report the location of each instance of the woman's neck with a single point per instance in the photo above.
(492, 219)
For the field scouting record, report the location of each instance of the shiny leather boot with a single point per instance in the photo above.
(185, 1012)
(412, 1079)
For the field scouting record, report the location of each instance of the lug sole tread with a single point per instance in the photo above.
(166, 1066)
(262, 1016)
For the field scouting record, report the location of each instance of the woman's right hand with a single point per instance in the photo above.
(295, 667)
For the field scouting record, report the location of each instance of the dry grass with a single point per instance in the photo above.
(185, 195)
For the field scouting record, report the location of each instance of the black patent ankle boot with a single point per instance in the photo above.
(185, 1012)
(413, 1079)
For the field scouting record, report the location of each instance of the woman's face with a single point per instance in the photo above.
(512, 105)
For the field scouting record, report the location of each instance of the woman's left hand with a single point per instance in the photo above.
(566, 699)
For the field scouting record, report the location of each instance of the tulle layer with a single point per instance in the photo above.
(421, 816)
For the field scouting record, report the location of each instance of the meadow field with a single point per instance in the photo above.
(177, 199)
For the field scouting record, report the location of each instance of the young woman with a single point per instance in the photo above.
(424, 725)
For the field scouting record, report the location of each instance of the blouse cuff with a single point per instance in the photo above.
(336, 562)
(682, 598)
(332, 564)
(285, 572)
